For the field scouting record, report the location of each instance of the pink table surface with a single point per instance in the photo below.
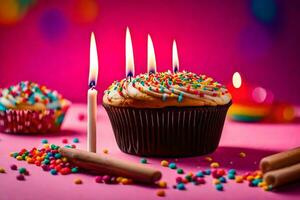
(257, 140)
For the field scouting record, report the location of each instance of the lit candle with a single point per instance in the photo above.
(151, 62)
(129, 55)
(92, 97)
(175, 61)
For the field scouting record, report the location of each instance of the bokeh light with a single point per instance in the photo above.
(259, 94)
(85, 11)
(264, 11)
(10, 12)
(53, 24)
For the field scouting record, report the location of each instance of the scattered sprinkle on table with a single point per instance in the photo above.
(214, 165)
(219, 187)
(239, 179)
(64, 141)
(13, 167)
(44, 141)
(180, 171)
(75, 140)
(20, 177)
(105, 151)
(22, 170)
(160, 193)
(162, 184)
(143, 161)
(242, 154)
(78, 181)
(181, 186)
(98, 179)
(208, 159)
(164, 163)
(172, 166)
(2, 170)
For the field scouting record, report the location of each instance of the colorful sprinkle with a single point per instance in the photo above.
(2, 170)
(160, 193)
(214, 165)
(20, 177)
(78, 181)
(13, 167)
(105, 151)
(181, 186)
(172, 166)
(143, 161)
(75, 140)
(180, 171)
(22, 170)
(64, 141)
(98, 179)
(164, 163)
(219, 187)
(242, 154)
(44, 141)
(162, 184)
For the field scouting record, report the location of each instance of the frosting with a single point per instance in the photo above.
(30, 95)
(181, 87)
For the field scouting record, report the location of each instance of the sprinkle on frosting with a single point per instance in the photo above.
(28, 93)
(167, 86)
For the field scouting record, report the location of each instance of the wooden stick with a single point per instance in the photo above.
(283, 176)
(280, 160)
(108, 165)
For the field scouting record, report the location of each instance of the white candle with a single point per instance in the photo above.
(151, 62)
(129, 55)
(175, 61)
(92, 98)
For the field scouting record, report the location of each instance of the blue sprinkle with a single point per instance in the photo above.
(219, 187)
(172, 166)
(200, 174)
(222, 179)
(2, 107)
(75, 140)
(207, 172)
(180, 97)
(181, 186)
(44, 141)
(53, 171)
(231, 176)
(232, 171)
(58, 155)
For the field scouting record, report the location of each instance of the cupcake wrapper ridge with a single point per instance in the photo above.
(169, 131)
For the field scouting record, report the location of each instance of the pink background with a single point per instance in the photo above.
(50, 44)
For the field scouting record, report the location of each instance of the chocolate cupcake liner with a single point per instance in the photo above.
(169, 131)
(29, 121)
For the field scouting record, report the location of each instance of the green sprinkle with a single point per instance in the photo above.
(143, 160)
(22, 170)
(180, 171)
(74, 170)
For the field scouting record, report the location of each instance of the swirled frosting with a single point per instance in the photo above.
(164, 89)
(30, 96)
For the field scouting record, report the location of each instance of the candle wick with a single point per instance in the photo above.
(151, 71)
(92, 84)
(175, 69)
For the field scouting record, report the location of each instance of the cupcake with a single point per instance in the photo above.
(167, 114)
(30, 108)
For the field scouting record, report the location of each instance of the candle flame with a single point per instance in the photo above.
(93, 74)
(151, 56)
(129, 55)
(175, 61)
(237, 80)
